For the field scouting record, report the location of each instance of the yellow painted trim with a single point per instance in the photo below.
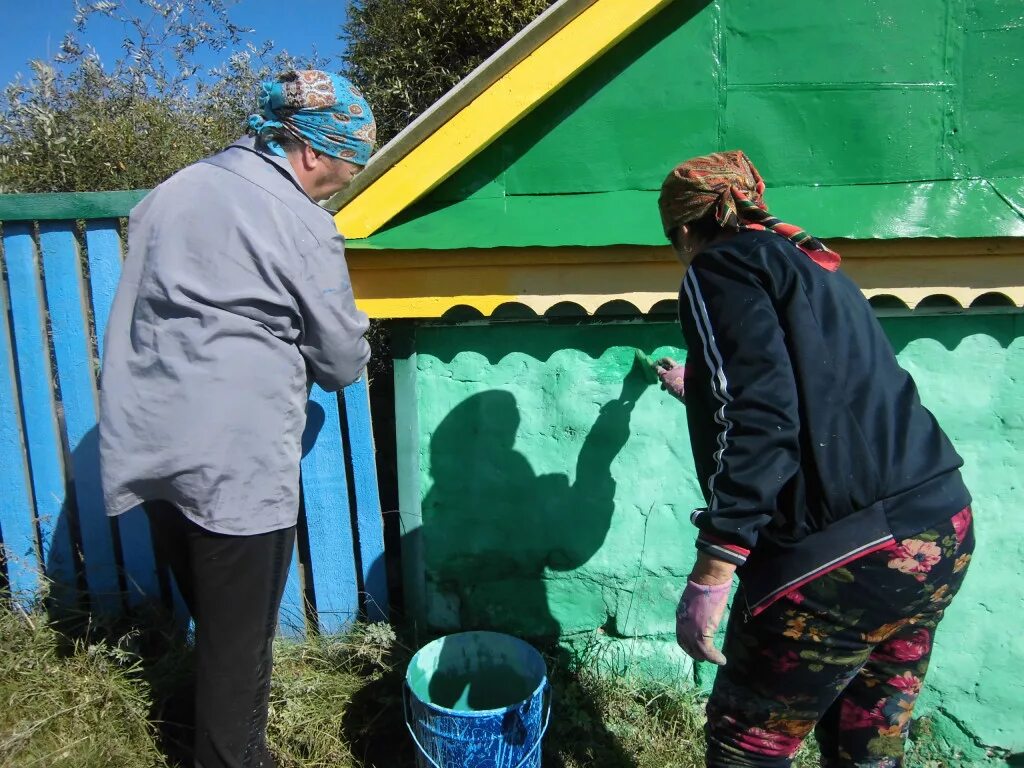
(494, 111)
(427, 284)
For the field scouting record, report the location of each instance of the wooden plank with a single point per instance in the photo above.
(328, 521)
(494, 111)
(462, 94)
(292, 616)
(17, 526)
(69, 205)
(368, 519)
(39, 410)
(407, 444)
(65, 294)
(291, 620)
(103, 243)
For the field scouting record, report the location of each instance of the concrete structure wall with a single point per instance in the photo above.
(546, 489)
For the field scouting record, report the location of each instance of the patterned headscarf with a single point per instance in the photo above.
(728, 185)
(321, 109)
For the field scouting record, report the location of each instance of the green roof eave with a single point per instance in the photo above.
(964, 208)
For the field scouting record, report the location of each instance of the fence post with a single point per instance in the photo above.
(42, 437)
(103, 244)
(369, 523)
(65, 294)
(328, 520)
(17, 527)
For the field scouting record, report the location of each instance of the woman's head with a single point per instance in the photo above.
(717, 195)
(321, 122)
(690, 238)
(698, 201)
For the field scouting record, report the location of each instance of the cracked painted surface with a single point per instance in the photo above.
(555, 489)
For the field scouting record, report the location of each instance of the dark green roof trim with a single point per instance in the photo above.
(965, 208)
(69, 205)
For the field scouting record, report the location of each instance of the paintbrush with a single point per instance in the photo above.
(647, 365)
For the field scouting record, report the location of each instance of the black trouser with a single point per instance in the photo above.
(232, 585)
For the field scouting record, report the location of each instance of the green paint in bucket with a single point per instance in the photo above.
(491, 687)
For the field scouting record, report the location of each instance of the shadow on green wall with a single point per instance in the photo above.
(489, 514)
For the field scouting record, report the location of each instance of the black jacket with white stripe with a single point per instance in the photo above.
(810, 441)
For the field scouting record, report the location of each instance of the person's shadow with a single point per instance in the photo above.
(494, 519)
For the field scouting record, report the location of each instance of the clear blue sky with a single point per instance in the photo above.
(32, 29)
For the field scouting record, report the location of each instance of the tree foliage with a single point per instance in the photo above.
(405, 54)
(77, 125)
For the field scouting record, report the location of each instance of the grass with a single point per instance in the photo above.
(89, 696)
(83, 705)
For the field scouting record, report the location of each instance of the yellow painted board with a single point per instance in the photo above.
(511, 97)
(427, 285)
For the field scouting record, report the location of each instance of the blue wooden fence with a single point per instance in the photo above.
(59, 282)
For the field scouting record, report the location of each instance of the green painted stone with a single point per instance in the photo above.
(556, 486)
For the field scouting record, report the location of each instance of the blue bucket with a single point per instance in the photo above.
(475, 700)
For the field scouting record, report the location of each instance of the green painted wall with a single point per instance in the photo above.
(842, 96)
(547, 489)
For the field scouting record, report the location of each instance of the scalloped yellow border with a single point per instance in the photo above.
(495, 110)
(428, 284)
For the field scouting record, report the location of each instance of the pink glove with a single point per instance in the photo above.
(698, 616)
(671, 374)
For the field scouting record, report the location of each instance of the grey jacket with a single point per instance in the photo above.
(235, 296)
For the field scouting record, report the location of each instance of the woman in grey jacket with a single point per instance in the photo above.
(235, 297)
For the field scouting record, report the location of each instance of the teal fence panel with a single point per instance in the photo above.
(20, 551)
(103, 245)
(69, 333)
(60, 281)
(359, 434)
(35, 378)
(328, 516)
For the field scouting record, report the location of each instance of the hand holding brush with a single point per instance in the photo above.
(672, 376)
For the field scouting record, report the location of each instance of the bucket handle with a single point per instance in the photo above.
(540, 737)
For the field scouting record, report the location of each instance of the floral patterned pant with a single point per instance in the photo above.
(845, 655)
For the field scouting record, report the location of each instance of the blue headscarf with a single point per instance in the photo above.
(323, 110)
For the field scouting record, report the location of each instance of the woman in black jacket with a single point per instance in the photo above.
(831, 491)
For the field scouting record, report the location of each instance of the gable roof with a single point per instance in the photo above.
(563, 40)
(913, 137)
